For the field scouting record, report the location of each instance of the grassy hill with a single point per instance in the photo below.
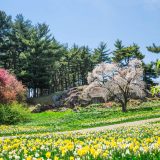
(92, 116)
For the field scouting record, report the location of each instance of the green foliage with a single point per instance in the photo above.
(38, 60)
(155, 90)
(154, 48)
(124, 54)
(158, 67)
(101, 54)
(158, 64)
(13, 113)
(150, 73)
(5, 27)
(46, 66)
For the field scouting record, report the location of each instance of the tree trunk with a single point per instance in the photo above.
(124, 107)
(34, 92)
(41, 92)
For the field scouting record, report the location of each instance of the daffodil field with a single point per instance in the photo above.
(141, 142)
(38, 140)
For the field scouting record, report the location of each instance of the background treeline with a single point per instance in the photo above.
(44, 65)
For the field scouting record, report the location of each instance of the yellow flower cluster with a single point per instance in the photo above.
(123, 143)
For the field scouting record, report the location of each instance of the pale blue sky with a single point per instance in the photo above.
(87, 22)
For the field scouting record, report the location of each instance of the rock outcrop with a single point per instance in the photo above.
(78, 97)
(73, 97)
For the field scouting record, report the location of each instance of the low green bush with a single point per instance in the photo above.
(13, 113)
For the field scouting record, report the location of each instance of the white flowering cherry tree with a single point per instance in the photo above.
(118, 82)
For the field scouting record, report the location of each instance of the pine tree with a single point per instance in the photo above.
(5, 30)
(154, 48)
(41, 58)
(149, 73)
(20, 40)
(123, 54)
(101, 54)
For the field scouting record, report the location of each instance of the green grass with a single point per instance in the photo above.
(92, 116)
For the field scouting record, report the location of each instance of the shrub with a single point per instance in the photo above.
(155, 90)
(13, 113)
(10, 88)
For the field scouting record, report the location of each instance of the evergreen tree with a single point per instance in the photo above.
(5, 30)
(19, 50)
(40, 61)
(43, 64)
(72, 58)
(149, 73)
(101, 54)
(124, 54)
(118, 44)
(154, 48)
(85, 64)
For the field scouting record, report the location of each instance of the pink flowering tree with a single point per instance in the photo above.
(10, 88)
(118, 82)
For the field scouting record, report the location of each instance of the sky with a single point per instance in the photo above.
(88, 22)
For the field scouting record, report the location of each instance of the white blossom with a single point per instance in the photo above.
(118, 82)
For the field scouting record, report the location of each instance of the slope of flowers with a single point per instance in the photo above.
(124, 143)
(13, 130)
(9, 130)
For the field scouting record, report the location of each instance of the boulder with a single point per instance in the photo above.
(76, 97)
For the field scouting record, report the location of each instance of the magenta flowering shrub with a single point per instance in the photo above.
(10, 88)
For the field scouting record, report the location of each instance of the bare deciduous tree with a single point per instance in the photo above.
(119, 83)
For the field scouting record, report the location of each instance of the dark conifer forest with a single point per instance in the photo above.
(45, 65)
